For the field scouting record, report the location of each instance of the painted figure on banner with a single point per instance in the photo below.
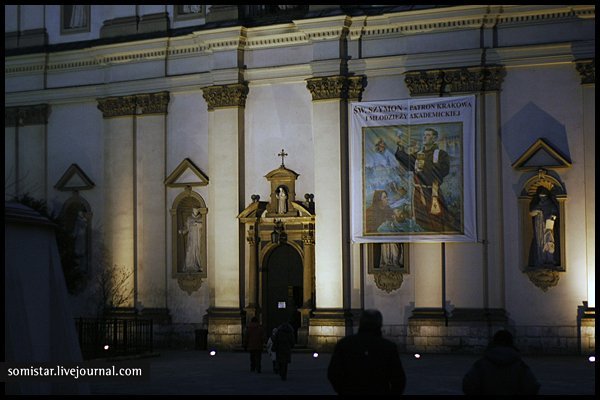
(378, 215)
(545, 248)
(193, 233)
(429, 166)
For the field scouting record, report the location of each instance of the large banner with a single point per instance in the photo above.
(413, 170)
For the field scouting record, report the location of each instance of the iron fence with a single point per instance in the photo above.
(114, 337)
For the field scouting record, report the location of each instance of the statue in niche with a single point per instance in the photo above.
(192, 232)
(390, 255)
(281, 200)
(79, 234)
(545, 246)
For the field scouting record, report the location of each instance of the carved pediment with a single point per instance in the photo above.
(186, 174)
(74, 179)
(541, 155)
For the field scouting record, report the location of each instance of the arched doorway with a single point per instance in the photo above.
(283, 286)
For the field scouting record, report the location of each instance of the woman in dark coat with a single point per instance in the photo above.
(500, 371)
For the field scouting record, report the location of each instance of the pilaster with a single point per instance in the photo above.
(488, 255)
(225, 142)
(134, 147)
(25, 169)
(332, 250)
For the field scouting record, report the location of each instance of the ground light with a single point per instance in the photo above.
(315, 354)
(106, 347)
(212, 352)
(417, 355)
(592, 358)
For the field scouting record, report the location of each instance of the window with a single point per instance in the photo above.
(74, 18)
(187, 11)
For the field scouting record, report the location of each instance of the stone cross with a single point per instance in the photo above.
(282, 155)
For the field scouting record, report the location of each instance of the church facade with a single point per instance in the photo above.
(206, 161)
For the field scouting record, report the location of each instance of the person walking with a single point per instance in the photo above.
(500, 371)
(283, 344)
(366, 362)
(255, 338)
(271, 350)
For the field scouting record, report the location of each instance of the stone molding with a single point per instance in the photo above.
(26, 115)
(336, 87)
(587, 70)
(222, 96)
(436, 82)
(138, 104)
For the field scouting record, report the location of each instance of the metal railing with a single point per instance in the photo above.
(112, 337)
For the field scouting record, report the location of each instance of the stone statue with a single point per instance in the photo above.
(545, 250)
(80, 239)
(193, 252)
(281, 201)
(391, 255)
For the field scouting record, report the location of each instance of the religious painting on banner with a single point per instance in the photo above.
(413, 170)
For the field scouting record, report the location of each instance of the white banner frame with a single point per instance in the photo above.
(376, 129)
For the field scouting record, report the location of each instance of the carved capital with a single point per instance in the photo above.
(308, 238)
(221, 96)
(336, 87)
(454, 80)
(146, 103)
(117, 106)
(356, 85)
(424, 82)
(587, 70)
(152, 103)
(26, 115)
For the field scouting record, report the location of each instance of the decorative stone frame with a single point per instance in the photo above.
(182, 208)
(541, 277)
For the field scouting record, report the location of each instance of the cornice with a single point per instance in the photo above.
(300, 32)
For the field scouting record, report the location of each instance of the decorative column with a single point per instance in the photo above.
(134, 148)
(332, 243)
(25, 152)
(225, 139)
(308, 242)
(252, 239)
(486, 308)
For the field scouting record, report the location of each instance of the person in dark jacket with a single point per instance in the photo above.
(500, 371)
(283, 344)
(255, 338)
(366, 363)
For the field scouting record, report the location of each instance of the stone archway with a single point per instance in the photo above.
(282, 282)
